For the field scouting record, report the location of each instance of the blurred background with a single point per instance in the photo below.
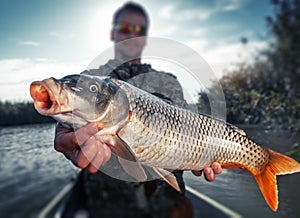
(252, 47)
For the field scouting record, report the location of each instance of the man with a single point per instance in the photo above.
(100, 192)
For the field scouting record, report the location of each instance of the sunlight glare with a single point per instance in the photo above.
(99, 25)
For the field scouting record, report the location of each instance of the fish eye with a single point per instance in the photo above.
(93, 88)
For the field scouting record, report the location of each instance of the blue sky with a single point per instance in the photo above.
(43, 38)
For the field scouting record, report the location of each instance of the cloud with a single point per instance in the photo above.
(231, 5)
(226, 57)
(174, 12)
(63, 36)
(202, 13)
(29, 43)
(198, 32)
(19, 73)
(198, 44)
(163, 30)
(167, 11)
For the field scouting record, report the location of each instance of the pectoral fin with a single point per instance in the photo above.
(134, 169)
(127, 160)
(168, 177)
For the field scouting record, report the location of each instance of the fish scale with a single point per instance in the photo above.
(163, 120)
(145, 129)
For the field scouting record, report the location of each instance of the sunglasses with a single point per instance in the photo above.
(125, 28)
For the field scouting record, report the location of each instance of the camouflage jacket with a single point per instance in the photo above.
(161, 84)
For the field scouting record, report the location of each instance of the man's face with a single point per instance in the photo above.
(133, 48)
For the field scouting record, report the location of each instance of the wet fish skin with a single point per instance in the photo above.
(198, 139)
(145, 129)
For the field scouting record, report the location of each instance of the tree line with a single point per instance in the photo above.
(17, 113)
(267, 91)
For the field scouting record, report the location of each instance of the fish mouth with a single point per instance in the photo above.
(44, 95)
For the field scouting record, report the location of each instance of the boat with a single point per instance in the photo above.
(196, 205)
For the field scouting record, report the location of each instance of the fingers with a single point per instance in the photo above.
(91, 156)
(101, 157)
(197, 173)
(84, 133)
(217, 168)
(66, 139)
(94, 166)
(210, 172)
(62, 134)
(81, 146)
(87, 153)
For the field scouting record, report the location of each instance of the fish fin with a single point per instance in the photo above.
(279, 164)
(127, 159)
(167, 176)
(231, 165)
(122, 149)
(134, 169)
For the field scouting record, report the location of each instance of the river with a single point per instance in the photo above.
(32, 173)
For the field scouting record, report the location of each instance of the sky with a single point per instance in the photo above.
(54, 38)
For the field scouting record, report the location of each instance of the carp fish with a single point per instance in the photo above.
(143, 128)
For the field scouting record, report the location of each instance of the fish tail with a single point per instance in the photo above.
(279, 164)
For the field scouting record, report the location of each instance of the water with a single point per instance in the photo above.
(32, 173)
(238, 190)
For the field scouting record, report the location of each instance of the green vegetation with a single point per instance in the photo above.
(20, 113)
(267, 91)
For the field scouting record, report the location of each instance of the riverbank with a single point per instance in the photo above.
(20, 113)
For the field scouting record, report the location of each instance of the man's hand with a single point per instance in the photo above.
(82, 147)
(210, 172)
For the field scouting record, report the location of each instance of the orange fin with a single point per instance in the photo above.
(279, 164)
